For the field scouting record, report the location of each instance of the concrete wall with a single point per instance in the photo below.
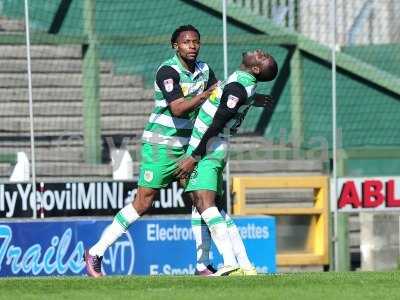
(379, 241)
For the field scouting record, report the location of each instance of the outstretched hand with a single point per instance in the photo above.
(185, 168)
(265, 101)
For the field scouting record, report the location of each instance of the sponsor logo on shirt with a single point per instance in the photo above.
(185, 90)
(216, 94)
(192, 88)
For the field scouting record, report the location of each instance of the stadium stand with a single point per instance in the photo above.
(57, 78)
(125, 106)
(367, 92)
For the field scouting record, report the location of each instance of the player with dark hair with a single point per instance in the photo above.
(181, 85)
(179, 30)
(219, 116)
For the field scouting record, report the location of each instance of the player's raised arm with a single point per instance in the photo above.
(265, 101)
(182, 106)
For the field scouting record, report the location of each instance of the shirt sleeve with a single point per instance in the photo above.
(211, 78)
(233, 96)
(167, 79)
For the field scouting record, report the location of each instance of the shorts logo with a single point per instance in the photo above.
(193, 175)
(232, 101)
(168, 84)
(148, 176)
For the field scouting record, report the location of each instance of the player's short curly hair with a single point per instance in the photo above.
(177, 32)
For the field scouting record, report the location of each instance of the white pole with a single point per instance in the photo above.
(28, 55)
(225, 39)
(225, 50)
(334, 135)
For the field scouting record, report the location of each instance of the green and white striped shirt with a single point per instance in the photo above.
(173, 81)
(238, 103)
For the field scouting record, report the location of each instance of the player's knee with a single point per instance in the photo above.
(203, 201)
(200, 206)
(143, 200)
(198, 202)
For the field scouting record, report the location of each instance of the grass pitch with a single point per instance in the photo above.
(322, 286)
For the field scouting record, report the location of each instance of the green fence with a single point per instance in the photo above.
(119, 45)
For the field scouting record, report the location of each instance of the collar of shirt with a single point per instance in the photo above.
(249, 76)
(197, 69)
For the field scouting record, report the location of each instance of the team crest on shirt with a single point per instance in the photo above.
(148, 175)
(232, 101)
(168, 84)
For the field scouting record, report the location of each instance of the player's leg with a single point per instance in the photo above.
(156, 171)
(202, 238)
(237, 243)
(205, 204)
(203, 184)
(238, 246)
(122, 220)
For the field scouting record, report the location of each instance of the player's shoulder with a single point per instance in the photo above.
(167, 70)
(234, 80)
(169, 64)
(235, 87)
(170, 61)
(242, 78)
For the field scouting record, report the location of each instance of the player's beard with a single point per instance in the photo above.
(190, 62)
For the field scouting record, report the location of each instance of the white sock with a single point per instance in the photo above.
(122, 220)
(219, 234)
(202, 237)
(237, 243)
